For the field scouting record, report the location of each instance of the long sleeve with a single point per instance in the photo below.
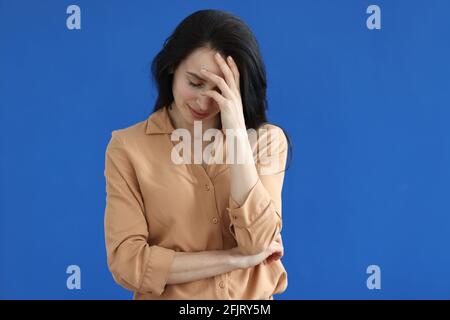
(257, 222)
(133, 263)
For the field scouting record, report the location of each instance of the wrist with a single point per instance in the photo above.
(236, 259)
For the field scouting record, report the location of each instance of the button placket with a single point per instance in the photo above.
(205, 183)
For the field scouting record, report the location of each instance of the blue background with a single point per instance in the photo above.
(367, 110)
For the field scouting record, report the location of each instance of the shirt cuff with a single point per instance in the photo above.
(256, 203)
(157, 271)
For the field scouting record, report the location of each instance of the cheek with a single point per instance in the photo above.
(185, 91)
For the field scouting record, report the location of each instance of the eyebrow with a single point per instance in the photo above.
(196, 76)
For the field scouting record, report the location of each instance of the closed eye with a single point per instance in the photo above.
(195, 85)
(198, 85)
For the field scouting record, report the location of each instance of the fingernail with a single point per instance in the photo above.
(230, 58)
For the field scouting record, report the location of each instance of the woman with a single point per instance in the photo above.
(199, 229)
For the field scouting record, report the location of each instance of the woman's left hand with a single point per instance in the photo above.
(229, 100)
(276, 255)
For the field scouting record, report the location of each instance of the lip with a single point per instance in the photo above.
(196, 114)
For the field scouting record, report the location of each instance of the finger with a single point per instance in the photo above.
(272, 258)
(272, 251)
(219, 81)
(221, 101)
(235, 70)
(226, 70)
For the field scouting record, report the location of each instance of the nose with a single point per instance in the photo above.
(204, 103)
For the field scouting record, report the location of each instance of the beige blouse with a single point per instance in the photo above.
(155, 207)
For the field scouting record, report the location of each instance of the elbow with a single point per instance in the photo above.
(120, 276)
(252, 241)
(142, 269)
(128, 282)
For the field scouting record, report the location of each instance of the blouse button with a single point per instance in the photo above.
(221, 284)
(207, 187)
(215, 220)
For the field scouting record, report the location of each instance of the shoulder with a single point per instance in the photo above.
(121, 149)
(130, 133)
(270, 134)
(270, 148)
(125, 140)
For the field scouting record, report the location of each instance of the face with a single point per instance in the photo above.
(188, 83)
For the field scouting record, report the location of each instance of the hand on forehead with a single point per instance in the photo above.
(203, 58)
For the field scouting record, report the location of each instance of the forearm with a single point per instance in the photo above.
(187, 267)
(242, 176)
(255, 200)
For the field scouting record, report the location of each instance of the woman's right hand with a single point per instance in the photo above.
(274, 252)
